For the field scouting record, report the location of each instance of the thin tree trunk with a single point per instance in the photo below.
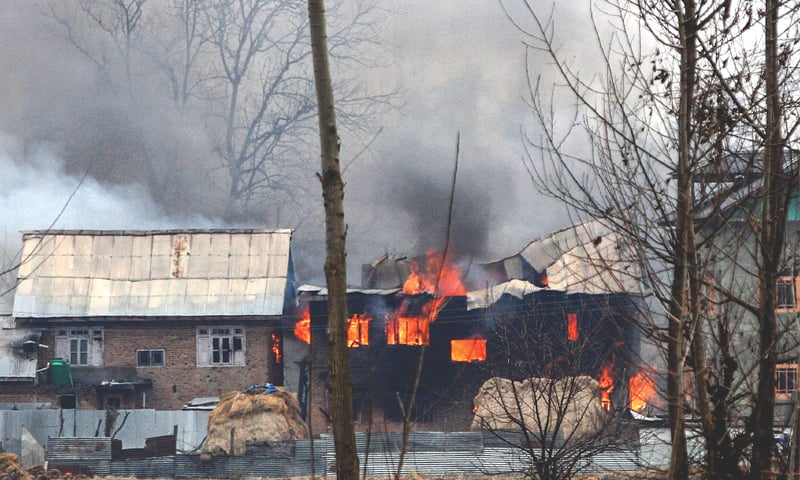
(335, 271)
(770, 238)
(679, 311)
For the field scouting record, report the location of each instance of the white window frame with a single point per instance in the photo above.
(786, 379)
(80, 346)
(788, 284)
(221, 346)
(150, 355)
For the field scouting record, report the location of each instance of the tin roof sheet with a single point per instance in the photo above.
(83, 273)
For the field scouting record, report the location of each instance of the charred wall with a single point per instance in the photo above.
(524, 338)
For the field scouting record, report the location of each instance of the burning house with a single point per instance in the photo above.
(424, 327)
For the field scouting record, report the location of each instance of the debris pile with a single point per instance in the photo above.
(570, 405)
(11, 469)
(260, 414)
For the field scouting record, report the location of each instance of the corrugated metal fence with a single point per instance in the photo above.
(433, 453)
(74, 443)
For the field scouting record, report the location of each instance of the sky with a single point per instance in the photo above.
(460, 73)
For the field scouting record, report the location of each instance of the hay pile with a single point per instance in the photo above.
(254, 418)
(11, 469)
(540, 404)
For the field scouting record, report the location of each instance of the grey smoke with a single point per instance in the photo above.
(459, 70)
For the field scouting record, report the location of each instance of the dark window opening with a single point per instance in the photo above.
(150, 358)
(68, 401)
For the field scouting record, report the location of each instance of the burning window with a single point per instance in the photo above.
(440, 279)
(358, 330)
(468, 350)
(606, 382)
(408, 331)
(276, 348)
(572, 327)
(642, 390)
(785, 379)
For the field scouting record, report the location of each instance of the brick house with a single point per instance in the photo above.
(151, 319)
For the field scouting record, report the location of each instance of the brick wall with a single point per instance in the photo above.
(179, 380)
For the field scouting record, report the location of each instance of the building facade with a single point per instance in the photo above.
(151, 319)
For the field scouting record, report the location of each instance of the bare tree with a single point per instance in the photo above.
(242, 66)
(684, 123)
(544, 400)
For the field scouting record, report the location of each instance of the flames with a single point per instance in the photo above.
(302, 329)
(410, 323)
(572, 326)
(642, 391)
(440, 280)
(357, 328)
(606, 382)
(468, 350)
(276, 348)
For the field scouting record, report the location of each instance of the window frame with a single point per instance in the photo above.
(150, 352)
(223, 342)
(80, 346)
(791, 282)
(789, 382)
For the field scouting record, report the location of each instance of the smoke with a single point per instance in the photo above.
(458, 70)
(38, 194)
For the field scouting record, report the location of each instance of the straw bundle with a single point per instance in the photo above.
(571, 405)
(254, 418)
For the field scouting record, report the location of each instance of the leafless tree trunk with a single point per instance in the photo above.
(775, 200)
(335, 271)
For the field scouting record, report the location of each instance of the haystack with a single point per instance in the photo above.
(253, 418)
(11, 469)
(540, 404)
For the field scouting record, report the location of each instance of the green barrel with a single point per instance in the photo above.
(59, 372)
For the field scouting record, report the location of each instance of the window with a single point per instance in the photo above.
(468, 350)
(786, 294)
(572, 326)
(150, 358)
(68, 401)
(220, 346)
(785, 379)
(80, 346)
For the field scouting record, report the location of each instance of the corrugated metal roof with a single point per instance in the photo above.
(584, 258)
(88, 273)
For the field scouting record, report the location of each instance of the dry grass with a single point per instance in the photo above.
(253, 418)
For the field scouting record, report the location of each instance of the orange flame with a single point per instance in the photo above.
(606, 382)
(276, 347)
(642, 390)
(358, 330)
(572, 326)
(408, 331)
(468, 350)
(302, 329)
(440, 280)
